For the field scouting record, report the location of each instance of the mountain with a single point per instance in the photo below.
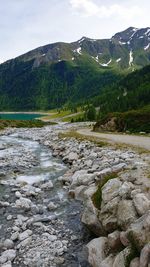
(53, 75)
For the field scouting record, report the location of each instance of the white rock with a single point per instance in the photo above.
(142, 203)
(7, 264)
(51, 206)
(97, 251)
(72, 156)
(24, 243)
(9, 217)
(126, 213)
(120, 260)
(25, 234)
(14, 236)
(23, 203)
(111, 189)
(47, 185)
(8, 255)
(18, 194)
(8, 243)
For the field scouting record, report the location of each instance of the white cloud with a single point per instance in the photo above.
(89, 8)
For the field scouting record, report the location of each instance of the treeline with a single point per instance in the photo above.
(23, 87)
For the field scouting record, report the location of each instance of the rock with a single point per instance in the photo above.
(142, 203)
(51, 238)
(126, 213)
(135, 262)
(24, 243)
(7, 264)
(4, 204)
(120, 260)
(51, 206)
(119, 167)
(81, 177)
(47, 186)
(72, 156)
(25, 235)
(59, 260)
(145, 256)
(24, 203)
(126, 189)
(114, 240)
(139, 231)
(18, 194)
(108, 214)
(9, 217)
(108, 262)
(97, 251)
(8, 244)
(8, 255)
(124, 240)
(14, 236)
(90, 219)
(111, 189)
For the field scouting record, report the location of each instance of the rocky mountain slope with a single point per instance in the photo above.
(59, 73)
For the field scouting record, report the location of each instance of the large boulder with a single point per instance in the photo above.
(139, 231)
(126, 214)
(145, 256)
(142, 203)
(121, 258)
(90, 219)
(82, 177)
(108, 215)
(111, 190)
(97, 251)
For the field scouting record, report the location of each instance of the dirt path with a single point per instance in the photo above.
(134, 140)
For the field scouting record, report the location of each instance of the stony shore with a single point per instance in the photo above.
(112, 190)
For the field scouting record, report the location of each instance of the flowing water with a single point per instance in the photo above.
(32, 163)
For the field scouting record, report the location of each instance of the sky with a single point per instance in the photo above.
(27, 24)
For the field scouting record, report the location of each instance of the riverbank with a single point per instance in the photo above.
(112, 186)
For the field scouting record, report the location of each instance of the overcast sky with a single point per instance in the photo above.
(27, 24)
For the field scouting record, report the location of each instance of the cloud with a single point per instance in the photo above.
(89, 8)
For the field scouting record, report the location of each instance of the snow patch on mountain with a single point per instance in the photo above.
(130, 58)
(106, 64)
(118, 60)
(147, 47)
(78, 50)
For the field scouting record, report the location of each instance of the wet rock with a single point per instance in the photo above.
(142, 203)
(97, 251)
(24, 203)
(51, 206)
(47, 186)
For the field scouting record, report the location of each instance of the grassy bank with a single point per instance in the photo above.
(23, 123)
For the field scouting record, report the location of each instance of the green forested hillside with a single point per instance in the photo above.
(131, 92)
(51, 86)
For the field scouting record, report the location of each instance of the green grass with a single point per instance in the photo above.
(22, 123)
(75, 118)
(97, 196)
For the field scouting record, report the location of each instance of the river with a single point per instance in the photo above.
(28, 170)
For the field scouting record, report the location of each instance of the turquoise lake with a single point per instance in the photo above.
(19, 116)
